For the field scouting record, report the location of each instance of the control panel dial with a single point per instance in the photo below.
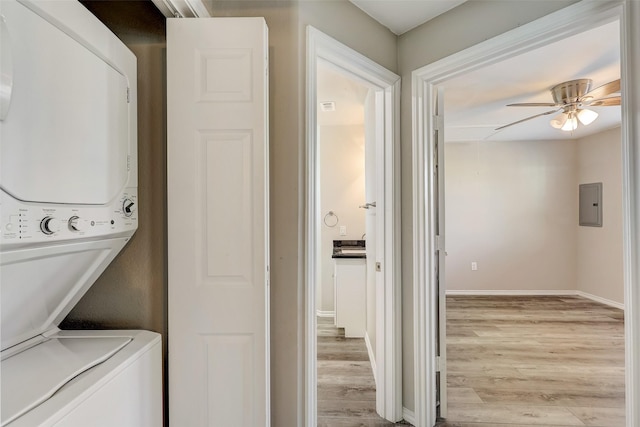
(49, 225)
(75, 224)
(128, 206)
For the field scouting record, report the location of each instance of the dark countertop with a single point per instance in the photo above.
(353, 249)
(349, 255)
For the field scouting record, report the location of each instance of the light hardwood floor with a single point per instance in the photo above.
(346, 388)
(534, 361)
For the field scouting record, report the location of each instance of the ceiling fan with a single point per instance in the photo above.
(571, 97)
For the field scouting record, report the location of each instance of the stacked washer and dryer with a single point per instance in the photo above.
(68, 199)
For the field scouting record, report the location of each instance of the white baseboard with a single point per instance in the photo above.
(409, 416)
(321, 313)
(601, 300)
(508, 292)
(372, 356)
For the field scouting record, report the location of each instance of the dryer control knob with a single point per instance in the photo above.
(49, 225)
(75, 224)
(128, 207)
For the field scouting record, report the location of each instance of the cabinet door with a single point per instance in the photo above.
(218, 222)
(350, 296)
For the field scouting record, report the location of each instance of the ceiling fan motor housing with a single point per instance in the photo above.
(570, 92)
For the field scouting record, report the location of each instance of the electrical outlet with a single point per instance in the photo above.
(474, 266)
(343, 230)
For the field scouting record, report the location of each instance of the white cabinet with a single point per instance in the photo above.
(350, 295)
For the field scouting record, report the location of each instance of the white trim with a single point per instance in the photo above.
(321, 47)
(409, 416)
(182, 8)
(535, 292)
(372, 356)
(321, 313)
(511, 292)
(571, 20)
(601, 300)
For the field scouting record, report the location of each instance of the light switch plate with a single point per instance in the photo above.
(343, 230)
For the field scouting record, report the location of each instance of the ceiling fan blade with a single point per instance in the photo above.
(604, 90)
(529, 118)
(534, 104)
(605, 102)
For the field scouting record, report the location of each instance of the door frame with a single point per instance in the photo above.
(321, 47)
(561, 24)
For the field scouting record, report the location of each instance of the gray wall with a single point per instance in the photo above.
(462, 27)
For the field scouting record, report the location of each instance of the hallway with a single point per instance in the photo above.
(346, 388)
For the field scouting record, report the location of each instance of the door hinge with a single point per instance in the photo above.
(378, 266)
(128, 96)
(438, 122)
(438, 363)
(439, 243)
(128, 162)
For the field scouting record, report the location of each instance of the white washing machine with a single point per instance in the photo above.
(68, 198)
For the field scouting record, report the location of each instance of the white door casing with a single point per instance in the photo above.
(571, 20)
(218, 257)
(386, 86)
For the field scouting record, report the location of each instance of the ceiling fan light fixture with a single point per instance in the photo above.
(571, 124)
(559, 120)
(587, 117)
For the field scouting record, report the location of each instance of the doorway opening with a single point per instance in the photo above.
(345, 279)
(428, 246)
(377, 90)
(521, 274)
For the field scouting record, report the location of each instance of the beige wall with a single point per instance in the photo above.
(341, 191)
(511, 207)
(599, 250)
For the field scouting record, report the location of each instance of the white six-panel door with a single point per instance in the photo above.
(217, 155)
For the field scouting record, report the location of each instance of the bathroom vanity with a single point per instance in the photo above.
(349, 279)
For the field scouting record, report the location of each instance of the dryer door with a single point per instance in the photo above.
(75, 149)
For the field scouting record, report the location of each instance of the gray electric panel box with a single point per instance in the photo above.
(591, 205)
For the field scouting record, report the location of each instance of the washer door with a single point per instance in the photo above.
(65, 135)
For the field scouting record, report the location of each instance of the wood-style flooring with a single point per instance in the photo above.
(346, 388)
(534, 361)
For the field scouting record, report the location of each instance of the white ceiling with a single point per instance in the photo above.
(475, 103)
(400, 16)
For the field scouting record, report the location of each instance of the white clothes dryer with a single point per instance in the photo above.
(68, 205)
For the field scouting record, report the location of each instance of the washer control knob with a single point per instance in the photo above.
(49, 225)
(128, 207)
(75, 224)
